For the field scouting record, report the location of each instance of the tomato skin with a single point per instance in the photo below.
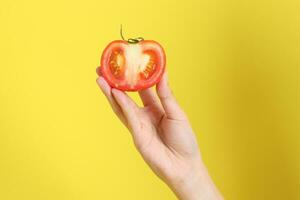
(120, 83)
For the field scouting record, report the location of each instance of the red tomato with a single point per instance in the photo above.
(132, 66)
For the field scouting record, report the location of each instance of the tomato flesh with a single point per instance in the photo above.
(132, 67)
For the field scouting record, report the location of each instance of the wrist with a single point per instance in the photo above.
(195, 184)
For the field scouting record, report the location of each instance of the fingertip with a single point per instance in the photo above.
(103, 85)
(113, 91)
(147, 96)
(119, 96)
(98, 71)
(116, 93)
(164, 78)
(122, 98)
(100, 81)
(162, 85)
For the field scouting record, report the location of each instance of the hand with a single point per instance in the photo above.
(162, 134)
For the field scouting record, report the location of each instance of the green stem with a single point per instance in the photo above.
(131, 40)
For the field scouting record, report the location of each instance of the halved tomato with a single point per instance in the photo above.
(134, 66)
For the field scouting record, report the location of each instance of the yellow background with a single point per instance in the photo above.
(233, 65)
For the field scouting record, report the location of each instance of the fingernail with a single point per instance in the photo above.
(114, 91)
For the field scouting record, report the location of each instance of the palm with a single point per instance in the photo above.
(160, 129)
(162, 140)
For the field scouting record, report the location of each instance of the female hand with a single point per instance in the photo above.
(162, 134)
